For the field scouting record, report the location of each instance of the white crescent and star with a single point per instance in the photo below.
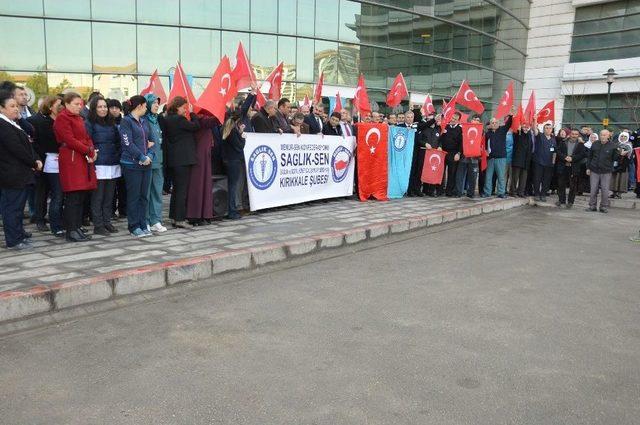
(469, 131)
(434, 167)
(547, 114)
(371, 131)
(227, 77)
(466, 93)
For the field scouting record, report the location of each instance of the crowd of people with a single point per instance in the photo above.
(79, 163)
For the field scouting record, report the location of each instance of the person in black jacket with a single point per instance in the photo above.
(102, 129)
(18, 160)
(47, 182)
(428, 135)
(601, 157)
(233, 140)
(521, 161)
(312, 119)
(451, 142)
(264, 120)
(570, 153)
(332, 128)
(181, 156)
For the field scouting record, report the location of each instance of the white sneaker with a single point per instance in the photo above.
(158, 228)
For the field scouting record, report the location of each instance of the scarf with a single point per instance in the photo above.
(151, 117)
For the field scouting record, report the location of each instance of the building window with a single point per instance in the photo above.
(26, 35)
(590, 110)
(59, 56)
(606, 31)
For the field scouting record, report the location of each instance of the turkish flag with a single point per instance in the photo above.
(372, 160)
(433, 168)
(530, 111)
(361, 98)
(398, 91)
(637, 151)
(466, 97)
(338, 107)
(275, 81)
(261, 100)
(547, 113)
(506, 103)
(517, 119)
(448, 109)
(471, 139)
(484, 157)
(155, 87)
(317, 94)
(306, 101)
(214, 98)
(242, 75)
(428, 108)
(182, 88)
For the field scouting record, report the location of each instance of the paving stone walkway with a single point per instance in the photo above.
(53, 260)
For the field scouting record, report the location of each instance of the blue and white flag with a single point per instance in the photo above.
(400, 144)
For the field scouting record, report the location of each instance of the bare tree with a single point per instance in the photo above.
(632, 102)
(574, 98)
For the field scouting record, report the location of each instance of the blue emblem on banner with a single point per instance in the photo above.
(399, 141)
(263, 167)
(340, 161)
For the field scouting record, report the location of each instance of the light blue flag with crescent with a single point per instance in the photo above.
(401, 140)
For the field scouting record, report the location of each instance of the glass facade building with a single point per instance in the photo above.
(114, 45)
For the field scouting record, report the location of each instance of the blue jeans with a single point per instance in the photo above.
(466, 176)
(55, 204)
(498, 166)
(137, 181)
(12, 204)
(155, 196)
(234, 172)
(632, 173)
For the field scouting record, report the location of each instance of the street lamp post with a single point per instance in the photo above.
(611, 76)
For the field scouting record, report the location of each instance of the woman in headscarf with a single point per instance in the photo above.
(154, 210)
(200, 195)
(620, 175)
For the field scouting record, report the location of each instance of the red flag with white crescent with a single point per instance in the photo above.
(547, 113)
(466, 97)
(433, 168)
(529, 116)
(397, 92)
(471, 139)
(275, 81)
(506, 102)
(361, 98)
(182, 88)
(317, 94)
(428, 108)
(372, 160)
(637, 151)
(338, 107)
(242, 75)
(155, 87)
(214, 98)
(448, 109)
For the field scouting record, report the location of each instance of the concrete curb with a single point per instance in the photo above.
(15, 305)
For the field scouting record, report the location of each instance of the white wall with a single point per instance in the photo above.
(551, 27)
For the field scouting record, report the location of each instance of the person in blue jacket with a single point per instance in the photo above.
(154, 210)
(102, 129)
(136, 162)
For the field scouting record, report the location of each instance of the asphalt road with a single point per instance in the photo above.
(531, 317)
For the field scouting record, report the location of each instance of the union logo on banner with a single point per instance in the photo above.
(263, 167)
(340, 161)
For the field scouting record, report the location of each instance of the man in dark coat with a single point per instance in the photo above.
(451, 143)
(521, 161)
(570, 153)
(262, 121)
(599, 168)
(314, 121)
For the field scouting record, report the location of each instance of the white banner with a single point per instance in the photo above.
(283, 169)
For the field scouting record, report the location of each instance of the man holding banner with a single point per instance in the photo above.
(401, 142)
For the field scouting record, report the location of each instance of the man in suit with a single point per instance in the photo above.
(282, 116)
(345, 124)
(312, 120)
(451, 142)
(263, 120)
(570, 153)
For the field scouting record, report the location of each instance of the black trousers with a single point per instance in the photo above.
(567, 178)
(178, 203)
(73, 208)
(41, 196)
(415, 184)
(120, 197)
(12, 202)
(541, 179)
(102, 202)
(518, 181)
(452, 168)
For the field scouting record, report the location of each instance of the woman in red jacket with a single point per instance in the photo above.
(77, 171)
